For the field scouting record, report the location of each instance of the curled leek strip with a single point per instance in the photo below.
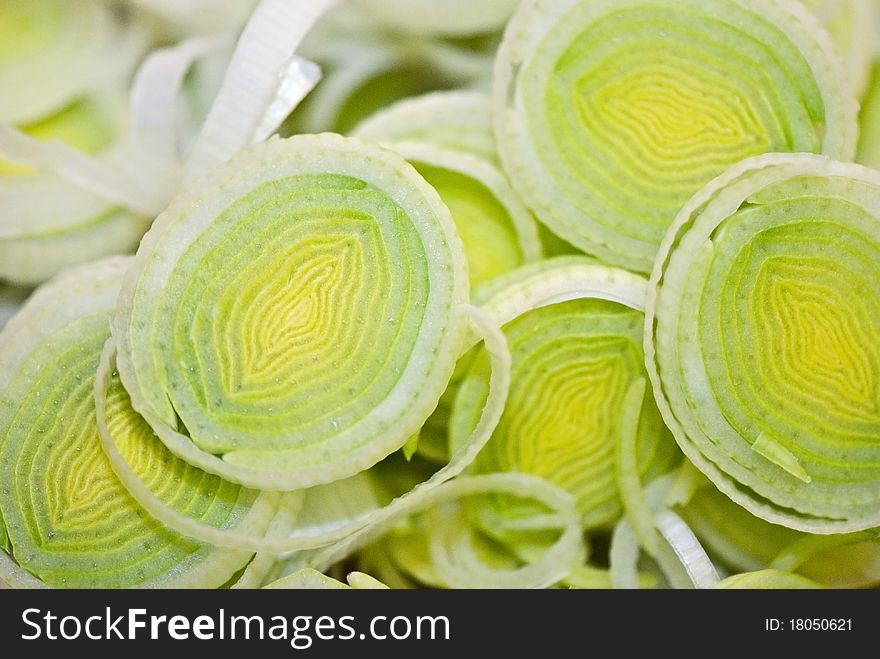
(761, 339)
(459, 568)
(677, 551)
(293, 317)
(66, 518)
(574, 327)
(265, 80)
(610, 114)
(498, 231)
(11, 299)
(767, 580)
(459, 120)
(53, 52)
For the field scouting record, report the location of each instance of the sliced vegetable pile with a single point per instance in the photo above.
(369, 293)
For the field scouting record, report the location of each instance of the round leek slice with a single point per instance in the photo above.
(294, 316)
(66, 519)
(457, 120)
(332, 512)
(761, 340)
(574, 328)
(610, 114)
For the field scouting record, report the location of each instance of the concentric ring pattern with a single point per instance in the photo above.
(574, 361)
(292, 318)
(610, 114)
(763, 339)
(66, 517)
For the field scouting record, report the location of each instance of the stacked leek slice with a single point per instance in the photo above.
(599, 308)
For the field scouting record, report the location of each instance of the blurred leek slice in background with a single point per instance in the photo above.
(76, 186)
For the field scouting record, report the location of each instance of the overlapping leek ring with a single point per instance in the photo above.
(294, 316)
(577, 385)
(762, 330)
(65, 518)
(610, 114)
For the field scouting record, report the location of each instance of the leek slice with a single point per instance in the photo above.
(761, 328)
(319, 525)
(295, 312)
(498, 231)
(610, 114)
(67, 519)
(574, 327)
